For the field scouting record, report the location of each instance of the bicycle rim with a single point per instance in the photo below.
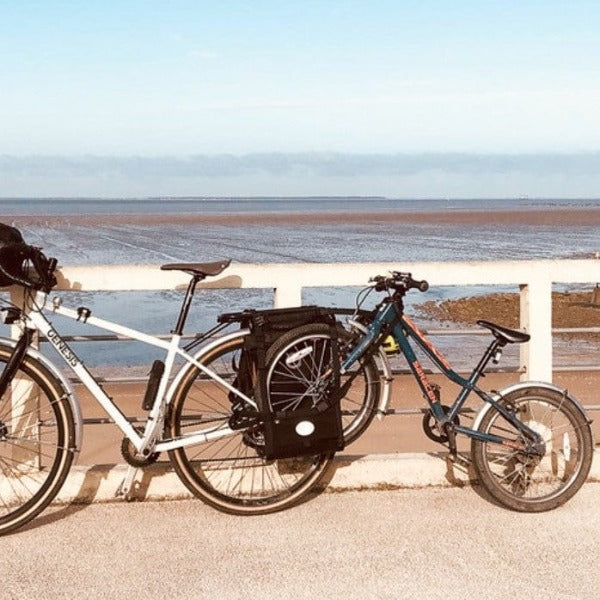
(229, 473)
(36, 439)
(531, 483)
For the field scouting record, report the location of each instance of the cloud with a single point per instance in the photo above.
(286, 164)
(426, 175)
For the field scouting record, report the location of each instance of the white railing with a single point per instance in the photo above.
(534, 279)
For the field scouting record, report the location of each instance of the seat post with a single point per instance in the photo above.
(185, 307)
(490, 352)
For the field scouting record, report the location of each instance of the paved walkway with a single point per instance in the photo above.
(428, 543)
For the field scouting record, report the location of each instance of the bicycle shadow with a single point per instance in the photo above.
(59, 510)
(457, 472)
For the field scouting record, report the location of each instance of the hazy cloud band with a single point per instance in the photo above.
(282, 164)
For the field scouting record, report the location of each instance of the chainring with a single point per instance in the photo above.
(430, 429)
(131, 455)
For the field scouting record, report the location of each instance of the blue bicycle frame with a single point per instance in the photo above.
(390, 318)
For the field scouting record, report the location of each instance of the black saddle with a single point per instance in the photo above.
(508, 336)
(201, 270)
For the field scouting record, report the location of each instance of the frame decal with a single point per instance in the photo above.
(62, 348)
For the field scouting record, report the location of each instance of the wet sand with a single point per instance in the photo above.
(569, 309)
(556, 217)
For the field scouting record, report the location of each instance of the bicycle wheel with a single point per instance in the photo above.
(531, 483)
(37, 433)
(229, 473)
(290, 385)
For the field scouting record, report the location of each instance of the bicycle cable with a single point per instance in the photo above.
(362, 296)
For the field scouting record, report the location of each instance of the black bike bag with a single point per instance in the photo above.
(16, 258)
(314, 425)
(12, 249)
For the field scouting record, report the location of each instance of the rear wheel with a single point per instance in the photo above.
(229, 473)
(37, 433)
(527, 482)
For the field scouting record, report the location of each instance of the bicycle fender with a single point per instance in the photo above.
(388, 375)
(522, 386)
(70, 393)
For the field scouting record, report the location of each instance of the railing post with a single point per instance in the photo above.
(288, 295)
(536, 319)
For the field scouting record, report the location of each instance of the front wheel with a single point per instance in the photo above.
(37, 440)
(528, 482)
(230, 473)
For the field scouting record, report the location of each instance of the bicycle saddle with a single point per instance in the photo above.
(509, 336)
(200, 269)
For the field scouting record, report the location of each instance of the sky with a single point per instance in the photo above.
(399, 98)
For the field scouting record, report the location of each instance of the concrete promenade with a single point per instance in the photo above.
(423, 544)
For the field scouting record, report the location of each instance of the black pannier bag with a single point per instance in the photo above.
(312, 427)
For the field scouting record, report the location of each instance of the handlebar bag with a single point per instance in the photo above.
(23, 264)
(13, 252)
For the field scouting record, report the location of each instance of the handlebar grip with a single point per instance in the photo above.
(422, 285)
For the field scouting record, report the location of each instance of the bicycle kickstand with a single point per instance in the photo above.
(449, 428)
(127, 486)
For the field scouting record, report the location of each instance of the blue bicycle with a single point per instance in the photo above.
(531, 443)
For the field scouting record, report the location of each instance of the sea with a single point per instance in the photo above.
(133, 240)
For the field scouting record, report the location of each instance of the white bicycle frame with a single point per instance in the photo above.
(147, 442)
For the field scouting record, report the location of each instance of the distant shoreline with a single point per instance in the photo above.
(554, 217)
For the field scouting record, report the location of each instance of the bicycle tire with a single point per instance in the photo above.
(525, 483)
(229, 473)
(37, 433)
(286, 386)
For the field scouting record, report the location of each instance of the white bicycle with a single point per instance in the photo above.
(190, 412)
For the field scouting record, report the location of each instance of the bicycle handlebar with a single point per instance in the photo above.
(399, 282)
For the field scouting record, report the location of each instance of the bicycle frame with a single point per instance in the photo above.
(36, 320)
(390, 317)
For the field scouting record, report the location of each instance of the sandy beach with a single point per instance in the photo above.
(556, 217)
(395, 433)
